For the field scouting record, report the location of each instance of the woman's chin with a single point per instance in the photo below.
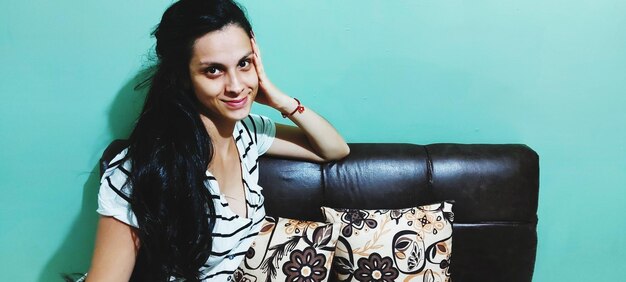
(237, 115)
(227, 115)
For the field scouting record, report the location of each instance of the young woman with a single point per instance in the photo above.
(182, 201)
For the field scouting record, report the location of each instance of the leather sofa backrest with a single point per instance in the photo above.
(494, 187)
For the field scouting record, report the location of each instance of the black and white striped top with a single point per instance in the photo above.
(232, 234)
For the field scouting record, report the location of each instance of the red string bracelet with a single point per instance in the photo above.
(299, 109)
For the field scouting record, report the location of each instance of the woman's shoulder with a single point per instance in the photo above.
(115, 176)
(259, 130)
(257, 123)
(115, 190)
(119, 162)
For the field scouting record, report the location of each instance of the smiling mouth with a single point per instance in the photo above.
(237, 104)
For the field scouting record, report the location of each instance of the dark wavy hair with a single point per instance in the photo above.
(170, 149)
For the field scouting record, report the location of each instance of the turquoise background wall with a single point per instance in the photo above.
(550, 74)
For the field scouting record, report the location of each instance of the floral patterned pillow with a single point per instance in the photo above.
(290, 250)
(413, 244)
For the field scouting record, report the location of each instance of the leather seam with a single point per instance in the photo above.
(429, 169)
(496, 223)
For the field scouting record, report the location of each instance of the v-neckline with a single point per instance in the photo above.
(248, 215)
(243, 181)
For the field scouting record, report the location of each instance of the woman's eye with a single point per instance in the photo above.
(211, 70)
(244, 63)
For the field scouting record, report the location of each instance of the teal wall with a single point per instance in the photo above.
(550, 74)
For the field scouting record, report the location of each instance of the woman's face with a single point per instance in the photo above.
(223, 74)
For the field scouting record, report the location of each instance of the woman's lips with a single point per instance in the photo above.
(237, 104)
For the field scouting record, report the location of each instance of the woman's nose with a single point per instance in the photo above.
(234, 84)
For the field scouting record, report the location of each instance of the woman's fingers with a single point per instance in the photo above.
(256, 47)
(257, 60)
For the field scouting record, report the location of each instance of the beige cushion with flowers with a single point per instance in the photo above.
(290, 250)
(413, 244)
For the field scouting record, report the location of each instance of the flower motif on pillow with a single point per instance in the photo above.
(290, 250)
(376, 268)
(305, 265)
(296, 226)
(240, 276)
(355, 219)
(429, 222)
(413, 244)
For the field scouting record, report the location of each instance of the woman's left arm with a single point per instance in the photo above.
(313, 139)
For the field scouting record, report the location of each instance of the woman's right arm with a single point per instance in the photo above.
(115, 251)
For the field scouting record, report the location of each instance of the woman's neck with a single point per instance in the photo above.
(221, 133)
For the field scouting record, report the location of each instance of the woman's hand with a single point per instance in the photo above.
(314, 139)
(268, 94)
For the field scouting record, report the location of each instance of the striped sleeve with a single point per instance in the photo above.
(263, 129)
(113, 197)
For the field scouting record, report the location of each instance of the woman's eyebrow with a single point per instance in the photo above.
(246, 55)
(209, 63)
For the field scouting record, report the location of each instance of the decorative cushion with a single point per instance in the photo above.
(413, 244)
(290, 250)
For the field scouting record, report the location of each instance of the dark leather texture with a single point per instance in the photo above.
(494, 188)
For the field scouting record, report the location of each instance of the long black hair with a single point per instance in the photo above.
(170, 149)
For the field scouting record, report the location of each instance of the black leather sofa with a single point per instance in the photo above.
(494, 187)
